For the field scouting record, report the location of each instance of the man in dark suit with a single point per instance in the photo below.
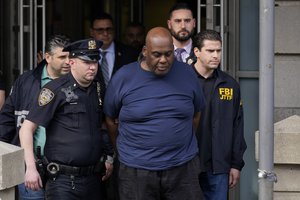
(115, 54)
(181, 24)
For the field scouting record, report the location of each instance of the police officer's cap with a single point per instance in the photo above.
(87, 49)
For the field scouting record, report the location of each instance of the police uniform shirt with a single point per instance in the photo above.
(72, 117)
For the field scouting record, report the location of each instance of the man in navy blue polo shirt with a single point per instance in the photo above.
(151, 107)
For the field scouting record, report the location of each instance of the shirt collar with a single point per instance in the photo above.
(212, 76)
(110, 49)
(187, 48)
(45, 74)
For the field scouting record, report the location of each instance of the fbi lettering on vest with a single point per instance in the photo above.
(226, 93)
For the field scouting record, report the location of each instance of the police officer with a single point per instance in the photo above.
(70, 108)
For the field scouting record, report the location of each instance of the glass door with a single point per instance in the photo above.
(31, 32)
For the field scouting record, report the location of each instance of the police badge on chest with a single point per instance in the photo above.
(71, 97)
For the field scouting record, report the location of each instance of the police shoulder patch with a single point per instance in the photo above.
(46, 96)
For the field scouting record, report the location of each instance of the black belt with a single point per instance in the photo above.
(56, 168)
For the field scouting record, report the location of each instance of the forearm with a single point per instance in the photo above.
(26, 139)
(112, 127)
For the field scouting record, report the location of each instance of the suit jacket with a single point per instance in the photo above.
(123, 55)
(191, 59)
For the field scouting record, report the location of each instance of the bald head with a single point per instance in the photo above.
(158, 51)
(158, 33)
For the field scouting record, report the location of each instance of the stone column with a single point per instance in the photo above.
(12, 169)
(286, 158)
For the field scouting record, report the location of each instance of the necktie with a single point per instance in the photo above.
(104, 67)
(178, 53)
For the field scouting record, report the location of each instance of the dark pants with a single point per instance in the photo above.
(178, 183)
(214, 186)
(74, 188)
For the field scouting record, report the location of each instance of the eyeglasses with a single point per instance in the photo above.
(108, 30)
